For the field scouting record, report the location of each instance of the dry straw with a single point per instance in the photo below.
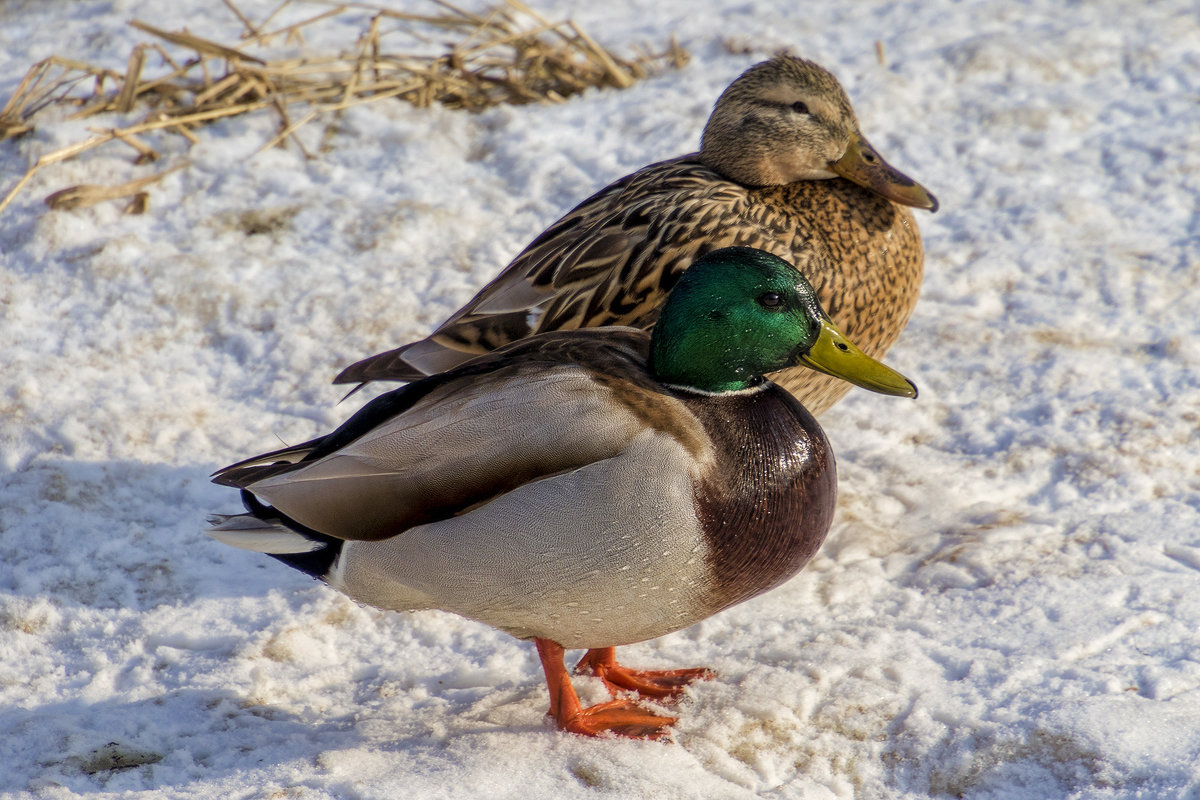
(507, 54)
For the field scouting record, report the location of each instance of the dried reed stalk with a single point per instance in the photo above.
(507, 54)
(89, 194)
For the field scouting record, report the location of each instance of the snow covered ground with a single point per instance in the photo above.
(1008, 606)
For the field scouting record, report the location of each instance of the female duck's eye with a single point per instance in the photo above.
(799, 107)
(770, 300)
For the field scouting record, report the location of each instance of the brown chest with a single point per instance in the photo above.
(767, 503)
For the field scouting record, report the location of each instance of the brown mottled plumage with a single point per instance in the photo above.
(766, 177)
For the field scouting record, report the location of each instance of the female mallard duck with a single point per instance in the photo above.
(779, 129)
(584, 489)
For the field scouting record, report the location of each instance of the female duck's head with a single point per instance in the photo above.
(788, 120)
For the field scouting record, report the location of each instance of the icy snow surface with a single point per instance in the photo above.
(1008, 605)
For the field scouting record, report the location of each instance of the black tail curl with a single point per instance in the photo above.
(317, 563)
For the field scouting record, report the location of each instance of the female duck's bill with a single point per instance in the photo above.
(863, 165)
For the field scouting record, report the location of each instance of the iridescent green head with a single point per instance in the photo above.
(739, 313)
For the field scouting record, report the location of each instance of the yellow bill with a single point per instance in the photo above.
(836, 355)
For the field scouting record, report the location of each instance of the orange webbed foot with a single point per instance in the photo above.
(663, 683)
(620, 717)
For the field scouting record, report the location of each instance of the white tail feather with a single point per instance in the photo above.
(249, 533)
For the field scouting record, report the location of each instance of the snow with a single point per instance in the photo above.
(1007, 606)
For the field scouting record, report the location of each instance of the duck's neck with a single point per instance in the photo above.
(746, 167)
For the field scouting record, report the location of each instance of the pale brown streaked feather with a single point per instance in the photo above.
(609, 251)
(611, 261)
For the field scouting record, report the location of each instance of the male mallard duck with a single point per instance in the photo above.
(775, 134)
(584, 489)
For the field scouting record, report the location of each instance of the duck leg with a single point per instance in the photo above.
(602, 662)
(622, 717)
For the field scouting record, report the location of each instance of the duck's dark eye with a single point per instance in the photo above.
(770, 300)
(799, 107)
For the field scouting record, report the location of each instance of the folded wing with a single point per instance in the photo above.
(609, 261)
(440, 447)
